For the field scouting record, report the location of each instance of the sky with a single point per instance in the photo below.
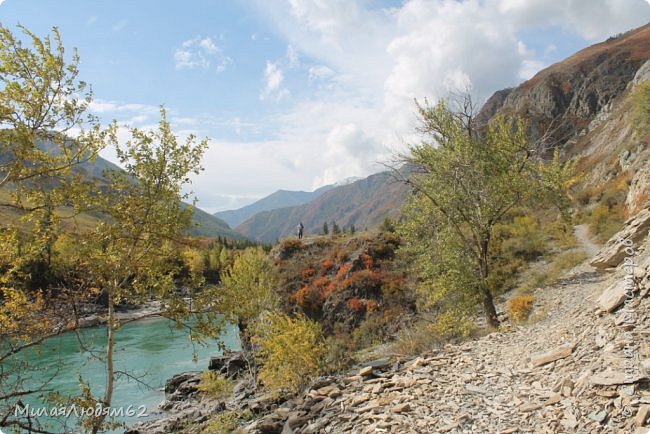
(297, 94)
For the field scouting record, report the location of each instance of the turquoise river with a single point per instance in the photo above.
(150, 349)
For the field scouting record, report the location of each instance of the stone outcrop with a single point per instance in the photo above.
(569, 95)
(229, 365)
(612, 297)
(614, 251)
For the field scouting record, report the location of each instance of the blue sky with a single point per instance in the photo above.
(296, 94)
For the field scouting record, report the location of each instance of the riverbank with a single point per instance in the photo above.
(123, 314)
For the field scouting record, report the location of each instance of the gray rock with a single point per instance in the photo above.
(612, 297)
(612, 378)
(557, 353)
(599, 417)
(613, 252)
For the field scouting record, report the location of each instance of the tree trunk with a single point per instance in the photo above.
(110, 342)
(488, 302)
(490, 311)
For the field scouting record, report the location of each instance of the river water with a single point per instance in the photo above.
(150, 349)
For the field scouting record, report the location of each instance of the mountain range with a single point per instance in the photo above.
(580, 106)
(279, 199)
(203, 224)
(364, 203)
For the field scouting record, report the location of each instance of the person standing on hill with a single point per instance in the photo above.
(300, 229)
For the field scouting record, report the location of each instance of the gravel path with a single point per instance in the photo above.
(584, 238)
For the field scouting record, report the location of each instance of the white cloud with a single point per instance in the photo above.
(319, 72)
(591, 19)
(201, 52)
(366, 65)
(363, 66)
(530, 67)
(273, 78)
(102, 107)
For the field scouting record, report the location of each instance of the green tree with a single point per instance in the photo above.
(466, 178)
(326, 229)
(336, 230)
(131, 255)
(246, 293)
(42, 101)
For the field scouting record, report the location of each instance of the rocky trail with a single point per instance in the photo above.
(572, 370)
(582, 235)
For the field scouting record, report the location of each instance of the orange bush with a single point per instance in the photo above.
(343, 271)
(520, 306)
(300, 295)
(355, 304)
(371, 305)
(363, 278)
(367, 260)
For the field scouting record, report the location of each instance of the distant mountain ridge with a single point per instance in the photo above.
(279, 199)
(364, 203)
(203, 224)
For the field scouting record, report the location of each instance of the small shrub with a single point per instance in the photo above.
(356, 305)
(388, 225)
(605, 221)
(343, 271)
(564, 262)
(223, 423)
(525, 241)
(519, 307)
(414, 340)
(339, 355)
(339, 255)
(367, 260)
(291, 246)
(215, 385)
(290, 351)
(226, 422)
(370, 332)
(450, 325)
(363, 279)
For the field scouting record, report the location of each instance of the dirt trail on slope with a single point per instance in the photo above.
(584, 238)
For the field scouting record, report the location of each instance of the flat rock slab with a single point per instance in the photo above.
(642, 415)
(612, 297)
(557, 353)
(613, 252)
(613, 378)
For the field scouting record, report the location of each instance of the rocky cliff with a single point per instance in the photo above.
(563, 99)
